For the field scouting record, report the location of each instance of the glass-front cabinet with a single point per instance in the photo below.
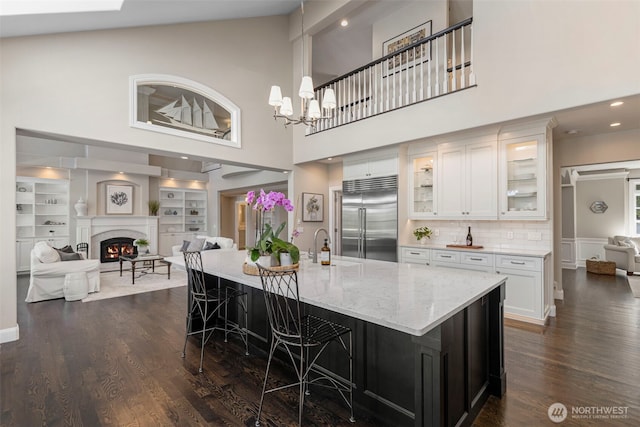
(422, 185)
(523, 178)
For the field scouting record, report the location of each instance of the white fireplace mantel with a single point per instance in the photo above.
(90, 226)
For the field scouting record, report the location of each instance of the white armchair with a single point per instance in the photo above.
(623, 250)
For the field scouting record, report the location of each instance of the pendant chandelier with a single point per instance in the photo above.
(310, 108)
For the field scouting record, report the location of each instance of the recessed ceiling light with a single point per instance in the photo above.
(617, 103)
(48, 167)
(344, 23)
(329, 158)
(120, 172)
(572, 131)
(285, 171)
(614, 124)
(184, 157)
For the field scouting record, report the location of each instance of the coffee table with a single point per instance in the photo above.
(144, 259)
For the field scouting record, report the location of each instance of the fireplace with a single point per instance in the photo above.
(112, 249)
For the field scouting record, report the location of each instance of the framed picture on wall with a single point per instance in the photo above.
(413, 56)
(312, 207)
(119, 199)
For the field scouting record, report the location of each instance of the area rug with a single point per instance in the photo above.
(112, 285)
(634, 284)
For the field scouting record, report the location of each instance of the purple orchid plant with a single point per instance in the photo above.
(268, 242)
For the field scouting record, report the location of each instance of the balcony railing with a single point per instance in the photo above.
(434, 66)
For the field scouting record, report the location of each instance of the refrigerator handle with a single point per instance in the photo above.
(360, 232)
(363, 227)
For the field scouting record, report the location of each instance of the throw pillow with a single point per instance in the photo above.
(68, 249)
(45, 253)
(631, 244)
(185, 245)
(209, 246)
(195, 245)
(66, 256)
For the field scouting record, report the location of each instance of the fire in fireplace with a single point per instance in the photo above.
(112, 249)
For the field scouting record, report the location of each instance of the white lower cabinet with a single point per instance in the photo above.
(23, 254)
(527, 288)
(415, 256)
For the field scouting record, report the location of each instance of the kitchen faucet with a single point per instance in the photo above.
(315, 243)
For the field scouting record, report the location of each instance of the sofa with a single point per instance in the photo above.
(200, 243)
(48, 273)
(624, 251)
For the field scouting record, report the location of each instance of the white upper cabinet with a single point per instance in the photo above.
(370, 166)
(467, 176)
(523, 178)
(524, 160)
(422, 185)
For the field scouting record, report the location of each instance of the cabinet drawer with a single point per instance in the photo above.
(518, 262)
(476, 259)
(451, 257)
(415, 256)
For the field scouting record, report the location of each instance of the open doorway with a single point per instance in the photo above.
(598, 202)
(335, 219)
(241, 224)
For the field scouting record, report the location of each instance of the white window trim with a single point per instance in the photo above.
(165, 79)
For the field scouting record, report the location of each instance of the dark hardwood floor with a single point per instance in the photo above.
(117, 362)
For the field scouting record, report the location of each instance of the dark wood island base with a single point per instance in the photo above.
(441, 378)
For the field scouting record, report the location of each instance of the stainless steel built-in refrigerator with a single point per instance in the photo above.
(370, 218)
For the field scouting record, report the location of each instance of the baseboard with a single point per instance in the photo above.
(552, 311)
(525, 319)
(569, 265)
(558, 294)
(9, 334)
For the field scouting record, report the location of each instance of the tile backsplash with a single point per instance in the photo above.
(490, 234)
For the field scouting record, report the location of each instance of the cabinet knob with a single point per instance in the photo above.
(502, 213)
(435, 213)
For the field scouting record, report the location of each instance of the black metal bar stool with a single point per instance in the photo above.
(208, 303)
(303, 337)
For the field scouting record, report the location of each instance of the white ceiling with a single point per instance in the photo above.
(138, 13)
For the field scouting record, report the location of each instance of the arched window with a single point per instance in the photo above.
(182, 107)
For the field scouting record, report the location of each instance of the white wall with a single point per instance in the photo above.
(77, 85)
(405, 18)
(531, 57)
(602, 225)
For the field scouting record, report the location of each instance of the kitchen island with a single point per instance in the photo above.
(428, 342)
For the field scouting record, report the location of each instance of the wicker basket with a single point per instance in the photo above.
(601, 267)
(252, 270)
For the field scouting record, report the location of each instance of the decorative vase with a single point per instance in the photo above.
(424, 240)
(81, 207)
(264, 260)
(143, 250)
(285, 258)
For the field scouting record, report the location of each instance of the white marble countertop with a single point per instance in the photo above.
(539, 253)
(409, 298)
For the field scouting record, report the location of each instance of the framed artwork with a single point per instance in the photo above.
(119, 199)
(413, 56)
(312, 207)
(177, 106)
